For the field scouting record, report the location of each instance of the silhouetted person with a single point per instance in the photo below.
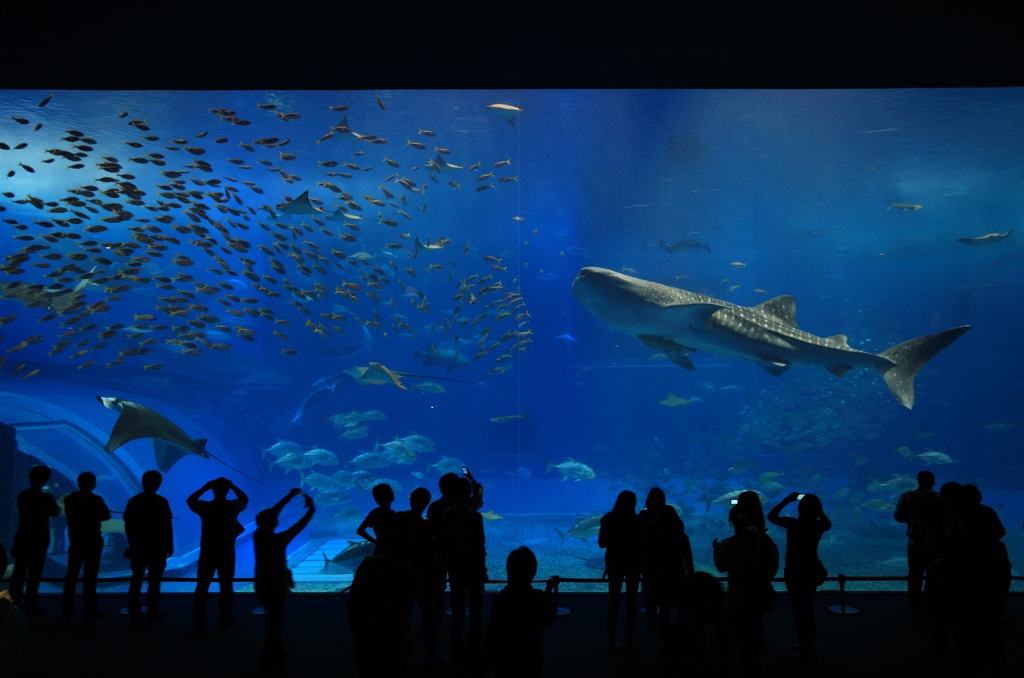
(217, 548)
(519, 615)
(467, 572)
(435, 514)
(804, 572)
(3, 561)
(423, 562)
(748, 560)
(622, 537)
(944, 568)
(648, 517)
(703, 644)
(380, 519)
(672, 566)
(147, 524)
(379, 604)
(988, 577)
(750, 506)
(85, 512)
(31, 541)
(922, 510)
(273, 578)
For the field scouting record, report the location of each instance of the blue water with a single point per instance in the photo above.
(789, 190)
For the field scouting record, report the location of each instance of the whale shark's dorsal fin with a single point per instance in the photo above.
(781, 308)
(838, 341)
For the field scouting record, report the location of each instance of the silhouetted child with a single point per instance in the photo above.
(435, 515)
(273, 578)
(379, 604)
(217, 548)
(622, 537)
(31, 541)
(703, 644)
(750, 565)
(423, 561)
(147, 524)
(804, 572)
(467, 572)
(519, 614)
(85, 512)
(381, 519)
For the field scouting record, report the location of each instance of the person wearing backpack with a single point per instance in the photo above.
(747, 558)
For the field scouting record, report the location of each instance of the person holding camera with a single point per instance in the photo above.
(804, 572)
(217, 547)
(467, 569)
(273, 578)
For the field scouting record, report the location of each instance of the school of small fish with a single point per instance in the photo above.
(232, 259)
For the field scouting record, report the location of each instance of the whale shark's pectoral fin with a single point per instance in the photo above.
(775, 368)
(675, 352)
(839, 370)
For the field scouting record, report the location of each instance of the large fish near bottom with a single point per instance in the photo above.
(679, 322)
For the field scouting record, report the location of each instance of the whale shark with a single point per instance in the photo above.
(678, 322)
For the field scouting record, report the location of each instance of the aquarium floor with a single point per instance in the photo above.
(886, 638)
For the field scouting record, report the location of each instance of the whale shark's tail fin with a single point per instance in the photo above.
(910, 356)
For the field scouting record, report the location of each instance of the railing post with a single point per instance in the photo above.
(559, 611)
(842, 607)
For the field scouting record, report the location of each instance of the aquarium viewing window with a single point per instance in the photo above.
(571, 293)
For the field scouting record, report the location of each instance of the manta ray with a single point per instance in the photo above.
(372, 375)
(506, 111)
(685, 244)
(445, 166)
(985, 239)
(300, 205)
(679, 322)
(137, 421)
(170, 443)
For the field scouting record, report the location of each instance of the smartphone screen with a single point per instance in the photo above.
(735, 501)
(800, 496)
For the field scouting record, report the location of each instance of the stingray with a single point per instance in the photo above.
(506, 111)
(300, 205)
(374, 374)
(170, 443)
